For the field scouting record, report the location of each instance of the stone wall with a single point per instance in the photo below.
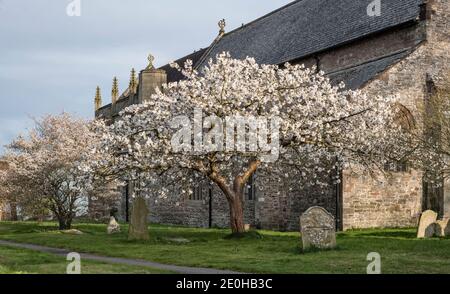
(370, 202)
(178, 209)
(396, 202)
(110, 112)
(273, 207)
(447, 198)
(281, 202)
(5, 212)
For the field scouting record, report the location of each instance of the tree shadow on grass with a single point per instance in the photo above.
(240, 236)
(26, 228)
(311, 250)
(299, 250)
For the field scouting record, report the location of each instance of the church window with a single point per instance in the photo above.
(199, 193)
(396, 166)
(250, 189)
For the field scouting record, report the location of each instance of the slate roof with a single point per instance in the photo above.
(305, 27)
(174, 75)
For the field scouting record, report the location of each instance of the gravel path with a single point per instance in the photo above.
(134, 262)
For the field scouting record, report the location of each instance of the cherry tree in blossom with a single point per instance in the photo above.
(49, 169)
(236, 117)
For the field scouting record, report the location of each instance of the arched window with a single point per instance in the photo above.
(406, 120)
(404, 117)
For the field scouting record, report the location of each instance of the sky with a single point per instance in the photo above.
(51, 62)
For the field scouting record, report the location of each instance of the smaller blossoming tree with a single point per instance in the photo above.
(49, 169)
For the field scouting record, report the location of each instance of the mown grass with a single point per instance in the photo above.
(23, 261)
(271, 252)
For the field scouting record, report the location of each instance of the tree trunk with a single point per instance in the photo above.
(235, 194)
(65, 223)
(237, 214)
(14, 216)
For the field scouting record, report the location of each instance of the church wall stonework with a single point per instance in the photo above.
(383, 202)
(273, 207)
(447, 198)
(396, 202)
(280, 204)
(371, 48)
(180, 210)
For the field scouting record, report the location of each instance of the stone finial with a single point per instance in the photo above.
(98, 98)
(133, 81)
(115, 90)
(150, 59)
(222, 25)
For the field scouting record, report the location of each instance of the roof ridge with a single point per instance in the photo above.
(217, 40)
(206, 53)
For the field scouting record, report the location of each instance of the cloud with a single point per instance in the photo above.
(50, 62)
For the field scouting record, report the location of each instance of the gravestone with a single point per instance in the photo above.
(427, 224)
(318, 229)
(113, 226)
(138, 229)
(442, 227)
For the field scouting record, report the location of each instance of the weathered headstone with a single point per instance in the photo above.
(318, 229)
(138, 226)
(113, 226)
(442, 227)
(427, 224)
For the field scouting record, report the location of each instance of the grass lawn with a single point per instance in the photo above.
(274, 252)
(22, 261)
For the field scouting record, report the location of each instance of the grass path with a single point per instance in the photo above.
(158, 267)
(19, 260)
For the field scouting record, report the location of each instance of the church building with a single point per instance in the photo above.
(401, 47)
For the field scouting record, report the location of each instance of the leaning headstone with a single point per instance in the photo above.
(138, 226)
(426, 224)
(318, 229)
(113, 226)
(442, 227)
